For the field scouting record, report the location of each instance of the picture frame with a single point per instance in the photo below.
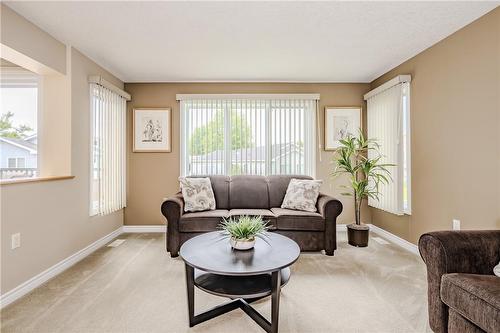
(152, 130)
(341, 121)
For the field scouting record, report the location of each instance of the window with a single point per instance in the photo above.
(16, 162)
(389, 123)
(19, 92)
(249, 134)
(108, 111)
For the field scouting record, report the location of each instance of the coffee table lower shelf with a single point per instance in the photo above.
(247, 287)
(243, 290)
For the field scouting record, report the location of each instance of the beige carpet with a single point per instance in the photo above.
(137, 287)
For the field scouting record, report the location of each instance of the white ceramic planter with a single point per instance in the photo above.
(239, 244)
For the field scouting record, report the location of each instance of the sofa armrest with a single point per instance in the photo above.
(474, 252)
(173, 208)
(328, 207)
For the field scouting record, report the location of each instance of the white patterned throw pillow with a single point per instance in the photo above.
(198, 194)
(302, 194)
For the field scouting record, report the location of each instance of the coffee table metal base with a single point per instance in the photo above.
(244, 304)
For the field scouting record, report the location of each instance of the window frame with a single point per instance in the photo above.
(309, 157)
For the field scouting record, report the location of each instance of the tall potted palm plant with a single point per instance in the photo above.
(365, 176)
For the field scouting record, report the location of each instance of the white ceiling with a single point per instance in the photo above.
(250, 41)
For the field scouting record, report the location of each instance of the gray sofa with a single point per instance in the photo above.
(255, 195)
(463, 293)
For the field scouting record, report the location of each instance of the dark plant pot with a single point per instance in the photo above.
(357, 235)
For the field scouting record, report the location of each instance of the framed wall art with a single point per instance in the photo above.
(152, 130)
(340, 122)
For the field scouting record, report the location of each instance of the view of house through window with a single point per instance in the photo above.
(19, 97)
(248, 136)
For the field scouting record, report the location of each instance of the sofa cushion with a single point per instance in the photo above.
(197, 193)
(266, 214)
(278, 185)
(289, 219)
(302, 194)
(202, 221)
(474, 296)
(220, 186)
(248, 192)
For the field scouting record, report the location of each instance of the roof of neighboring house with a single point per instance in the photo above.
(252, 153)
(31, 137)
(21, 143)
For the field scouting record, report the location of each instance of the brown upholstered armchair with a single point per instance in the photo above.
(463, 293)
(255, 195)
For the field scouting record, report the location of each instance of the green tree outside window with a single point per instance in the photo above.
(210, 137)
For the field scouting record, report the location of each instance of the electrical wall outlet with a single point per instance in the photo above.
(15, 241)
(456, 224)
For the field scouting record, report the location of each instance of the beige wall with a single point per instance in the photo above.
(153, 176)
(24, 44)
(54, 120)
(52, 216)
(455, 123)
(23, 41)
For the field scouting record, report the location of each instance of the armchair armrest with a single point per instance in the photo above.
(474, 252)
(328, 207)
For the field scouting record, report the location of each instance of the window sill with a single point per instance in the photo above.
(33, 180)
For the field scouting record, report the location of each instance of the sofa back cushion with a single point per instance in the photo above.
(278, 185)
(220, 186)
(248, 192)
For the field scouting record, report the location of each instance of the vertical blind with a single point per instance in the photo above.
(108, 111)
(251, 136)
(388, 123)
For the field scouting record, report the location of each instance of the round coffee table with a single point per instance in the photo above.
(244, 276)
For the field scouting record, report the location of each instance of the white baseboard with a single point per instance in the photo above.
(38, 280)
(395, 239)
(132, 229)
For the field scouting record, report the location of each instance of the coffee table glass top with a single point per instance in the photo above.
(212, 253)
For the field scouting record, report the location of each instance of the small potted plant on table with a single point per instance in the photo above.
(366, 173)
(242, 231)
